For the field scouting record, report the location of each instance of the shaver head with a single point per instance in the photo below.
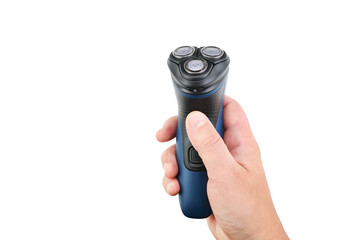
(198, 71)
(183, 51)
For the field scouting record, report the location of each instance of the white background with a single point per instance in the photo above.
(84, 86)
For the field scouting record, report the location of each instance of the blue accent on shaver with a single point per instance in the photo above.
(193, 200)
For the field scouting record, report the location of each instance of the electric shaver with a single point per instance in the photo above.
(199, 76)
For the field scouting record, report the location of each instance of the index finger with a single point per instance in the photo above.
(168, 131)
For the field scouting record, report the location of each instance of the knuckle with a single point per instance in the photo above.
(213, 142)
(163, 156)
(164, 182)
(167, 154)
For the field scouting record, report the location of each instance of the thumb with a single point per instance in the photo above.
(210, 146)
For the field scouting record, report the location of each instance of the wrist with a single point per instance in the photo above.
(273, 230)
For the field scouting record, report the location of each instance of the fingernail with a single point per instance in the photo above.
(196, 120)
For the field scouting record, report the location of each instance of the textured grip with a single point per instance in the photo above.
(209, 105)
(193, 177)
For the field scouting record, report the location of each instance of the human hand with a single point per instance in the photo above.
(237, 188)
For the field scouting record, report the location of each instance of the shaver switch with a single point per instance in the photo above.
(194, 156)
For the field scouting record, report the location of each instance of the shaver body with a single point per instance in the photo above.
(199, 76)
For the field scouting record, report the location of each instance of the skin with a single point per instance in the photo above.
(237, 188)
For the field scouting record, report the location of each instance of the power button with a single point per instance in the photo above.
(194, 156)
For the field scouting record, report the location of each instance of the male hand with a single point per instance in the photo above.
(237, 188)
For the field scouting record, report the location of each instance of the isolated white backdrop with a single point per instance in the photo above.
(84, 86)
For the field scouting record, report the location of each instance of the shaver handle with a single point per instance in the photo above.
(192, 174)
